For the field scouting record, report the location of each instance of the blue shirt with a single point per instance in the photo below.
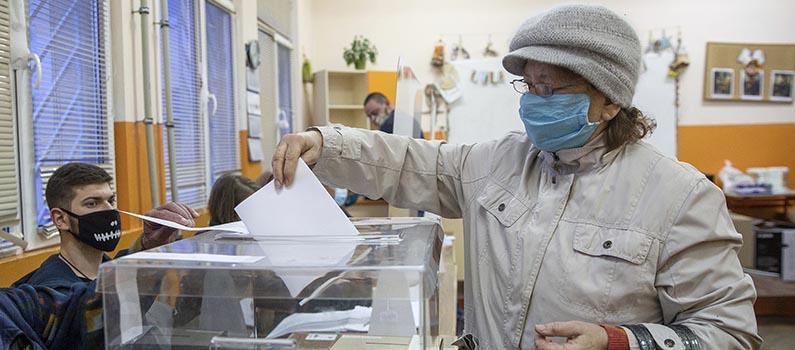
(53, 273)
(389, 125)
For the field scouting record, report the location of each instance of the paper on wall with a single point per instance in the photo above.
(255, 150)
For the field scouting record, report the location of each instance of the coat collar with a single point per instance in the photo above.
(592, 155)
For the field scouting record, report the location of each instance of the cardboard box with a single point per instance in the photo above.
(745, 226)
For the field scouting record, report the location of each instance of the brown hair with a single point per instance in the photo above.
(228, 191)
(60, 189)
(628, 126)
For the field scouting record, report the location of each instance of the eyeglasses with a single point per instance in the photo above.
(540, 89)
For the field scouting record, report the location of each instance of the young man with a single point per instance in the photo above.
(83, 208)
(56, 306)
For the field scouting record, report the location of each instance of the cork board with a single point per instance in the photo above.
(725, 78)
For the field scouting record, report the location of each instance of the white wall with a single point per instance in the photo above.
(409, 28)
(246, 20)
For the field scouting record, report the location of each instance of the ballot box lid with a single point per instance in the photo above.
(409, 247)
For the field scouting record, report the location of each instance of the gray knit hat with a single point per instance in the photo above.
(591, 41)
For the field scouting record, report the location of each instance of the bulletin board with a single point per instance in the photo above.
(725, 77)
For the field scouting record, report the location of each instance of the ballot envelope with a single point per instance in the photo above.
(220, 290)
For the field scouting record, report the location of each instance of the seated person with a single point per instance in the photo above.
(264, 178)
(382, 114)
(56, 306)
(228, 191)
(83, 208)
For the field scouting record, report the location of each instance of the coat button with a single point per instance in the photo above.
(501, 207)
(670, 343)
(607, 244)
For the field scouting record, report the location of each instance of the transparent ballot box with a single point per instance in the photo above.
(216, 290)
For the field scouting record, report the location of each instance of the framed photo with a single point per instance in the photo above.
(722, 83)
(781, 85)
(752, 86)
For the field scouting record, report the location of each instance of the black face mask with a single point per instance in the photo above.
(100, 229)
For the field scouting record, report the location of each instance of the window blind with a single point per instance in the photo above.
(224, 150)
(189, 127)
(285, 117)
(70, 112)
(9, 186)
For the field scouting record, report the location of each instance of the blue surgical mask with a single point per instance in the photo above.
(556, 122)
(340, 195)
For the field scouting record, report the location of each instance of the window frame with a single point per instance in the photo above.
(204, 93)
(234, 38)
(279, 40)
(32, 233)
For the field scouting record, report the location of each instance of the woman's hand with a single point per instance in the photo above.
(306, 145)
(579, 336)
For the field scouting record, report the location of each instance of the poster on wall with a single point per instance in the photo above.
(722, 83)
(781, 85)
(752, 86)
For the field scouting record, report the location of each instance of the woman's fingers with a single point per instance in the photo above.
(292, 147)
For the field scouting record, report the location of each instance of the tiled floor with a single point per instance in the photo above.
(778, 332)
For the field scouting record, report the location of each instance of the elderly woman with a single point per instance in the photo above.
(576, 228)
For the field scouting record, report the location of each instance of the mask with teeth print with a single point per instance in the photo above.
(100, 229)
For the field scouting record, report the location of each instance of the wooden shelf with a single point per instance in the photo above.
(347, 72)
(338, 95)
(346, 107)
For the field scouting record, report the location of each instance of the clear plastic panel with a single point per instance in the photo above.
(222, 291)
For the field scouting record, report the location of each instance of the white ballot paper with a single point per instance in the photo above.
(236, 226)
(304, 208)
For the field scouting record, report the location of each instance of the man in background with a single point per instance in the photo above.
(382, 114)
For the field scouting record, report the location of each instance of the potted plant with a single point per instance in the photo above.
(360, 51)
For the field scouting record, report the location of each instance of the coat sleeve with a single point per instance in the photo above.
(408, 173)
(701, 285)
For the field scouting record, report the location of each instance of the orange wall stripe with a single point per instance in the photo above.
(757, 145)
(129, 170)
(384, 82)
(160, 155)
(248, 168)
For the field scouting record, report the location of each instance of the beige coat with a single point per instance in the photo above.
(622, 237)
